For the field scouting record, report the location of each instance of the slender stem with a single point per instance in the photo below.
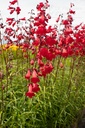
(71, 70)
(2, 102)
(63, 71)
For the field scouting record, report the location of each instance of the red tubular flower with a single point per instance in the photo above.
(42, 71)
(9, 23)
(41, 30)
(25, 45)
(13, 24)
(50, 41)
(12, 11)
(44, 52)
(64, 52)
(30, 92)
(69, 40)
(34, 78)
(76, 27)
(27, 76)
(36, 42)
(20, 36)
(9, 19)
(8, 31)
(58, 19)
(48, 16)
(71, 12)
(42, 19)
(68, 30)
(50, 56)
(18, 10)
(10, 8)
(22, 18)
(40, 6)
(13, 2)
(48, 68)
(49, 29)
(35, 87)
(32, 62)
(40, 62)
(65, 22)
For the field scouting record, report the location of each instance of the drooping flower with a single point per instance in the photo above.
(40, 6)
(9, 19)
(30, 92)
(50, 41)
(13, 2)
(64, 52)
(34, 78)
(71, 11)
(27, 76)
(46, 69)
(12, 11)
(65, 22)
(18, 10)
(22, 18)
(32, 62)
(9, 8)
(13, 24)
(35, 87)
(58, 19)
(41, 30)
(36, 42)
(44, 52)
(40, 63)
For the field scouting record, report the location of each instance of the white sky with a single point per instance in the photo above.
(56, 7)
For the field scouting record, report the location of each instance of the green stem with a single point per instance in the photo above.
(71, 71)
(2, 103)
(63, 72)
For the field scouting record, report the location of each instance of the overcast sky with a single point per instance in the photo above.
(56, 7)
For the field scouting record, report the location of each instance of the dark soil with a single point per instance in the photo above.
(80, 123)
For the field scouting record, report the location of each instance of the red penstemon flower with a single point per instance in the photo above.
(24, 18)
(30, 92)
(32, 62)
(13, 2)
(47, 42)
(18, 10)
(58, 19)
(34, 78)
(40, 6)
(71, 11)
(35, 87)
(43, 52)
(12, 11)
(40, 63)
(50, 41)
(27, 76)
(65, 22)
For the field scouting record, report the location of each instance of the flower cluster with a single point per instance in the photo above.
(44, 42)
